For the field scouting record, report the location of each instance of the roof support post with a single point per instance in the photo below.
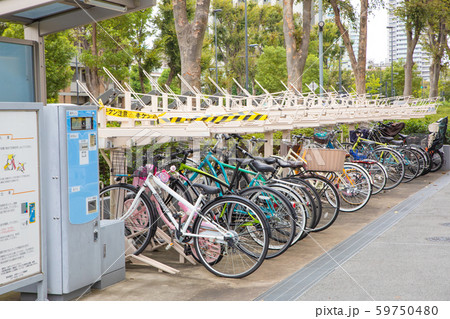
(268, 146)
(285, 138)
(31, 32)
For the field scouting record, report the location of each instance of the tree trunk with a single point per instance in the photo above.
(358, 66)
(141, 77)
(190, 40)
(411, 43)
(296, 55)
(93, 81)
(437, 43)
(435, 69)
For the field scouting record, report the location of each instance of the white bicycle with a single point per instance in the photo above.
(229, 235)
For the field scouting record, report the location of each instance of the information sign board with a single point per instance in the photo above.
(20, 207)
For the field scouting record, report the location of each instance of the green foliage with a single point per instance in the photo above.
(420, 126)
(399, 80)
(174, 86)
(265, 28)
(373, 84)
(59, 51)
(271, 69)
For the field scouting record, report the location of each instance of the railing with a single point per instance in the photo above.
(288, 109)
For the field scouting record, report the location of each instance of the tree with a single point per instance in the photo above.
(413, 13)
(437, 44)
(146, 59)
(271, 69)
(373, 84)
(105, 44)
(264, 24)
(296, 41)
(190, 36)
(343, 10)
(166, 39)
(59, 51)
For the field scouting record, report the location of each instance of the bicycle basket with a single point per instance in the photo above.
(119, 163)
(321, 137)
(324, 159)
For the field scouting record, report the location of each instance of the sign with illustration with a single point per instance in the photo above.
(20, 217)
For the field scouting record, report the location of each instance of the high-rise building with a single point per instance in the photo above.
(397, 44)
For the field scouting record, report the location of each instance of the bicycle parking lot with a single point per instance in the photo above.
(195, 283)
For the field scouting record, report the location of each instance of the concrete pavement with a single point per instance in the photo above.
(392, 261)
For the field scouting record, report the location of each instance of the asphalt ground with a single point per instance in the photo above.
(361, 276)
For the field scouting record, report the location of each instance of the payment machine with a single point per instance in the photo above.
(82, 250)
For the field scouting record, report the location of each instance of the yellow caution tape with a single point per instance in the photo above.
(130, 114)
(239, 116)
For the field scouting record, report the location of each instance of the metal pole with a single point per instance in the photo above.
(392, 60)
(320, 48)
(76, 71)
(340, 73)
(246, 49)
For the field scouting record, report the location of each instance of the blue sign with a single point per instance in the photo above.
(82, 155)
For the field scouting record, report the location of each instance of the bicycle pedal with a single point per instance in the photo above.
(187, 250)
(170, 245)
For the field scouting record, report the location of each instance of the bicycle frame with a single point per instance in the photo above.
(192, 210)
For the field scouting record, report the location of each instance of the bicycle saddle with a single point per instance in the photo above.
(291, 164)
(262, 167)
(403, 136)
(242, 161)
(267, 160)
(207, 189)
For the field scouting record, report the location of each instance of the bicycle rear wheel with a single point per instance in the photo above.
(140, 226)
(437, 160)
(238, 254)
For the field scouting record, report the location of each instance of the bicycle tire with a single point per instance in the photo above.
(422, 159)
(281, 217)
(354, 186)
(140, 226)
(309, 201)
(329, 197)
(412, 165)
(301, 206)
(378, 175)
(239, 255)
(437, 160)
(393, 163)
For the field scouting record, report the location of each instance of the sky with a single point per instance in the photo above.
(377, 36)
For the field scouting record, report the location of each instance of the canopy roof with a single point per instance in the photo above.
(54, 16)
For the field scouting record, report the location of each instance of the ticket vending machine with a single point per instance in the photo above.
(83, 251)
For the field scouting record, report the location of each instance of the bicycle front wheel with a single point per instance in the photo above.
(140, 226)
(280, 215)
(393, 162)
(329, 198)
(237, 254)
(355, 187)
